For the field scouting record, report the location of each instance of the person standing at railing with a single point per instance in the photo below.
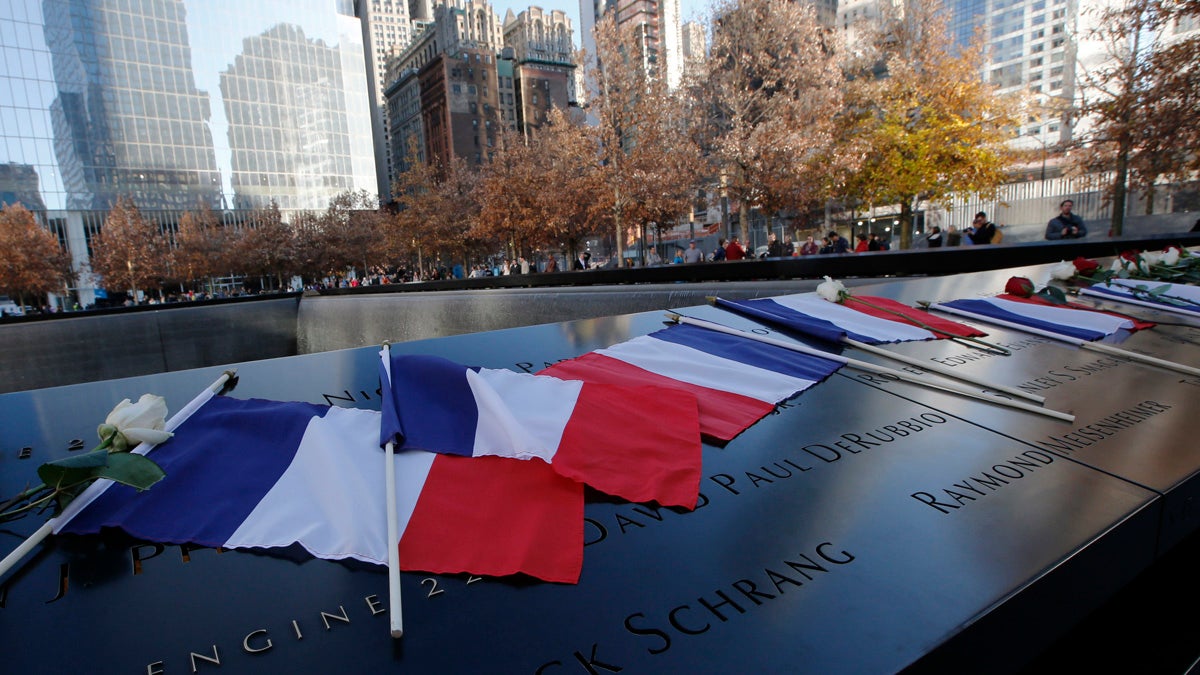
(1066, 225)
(734, 250)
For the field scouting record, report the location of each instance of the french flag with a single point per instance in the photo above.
(1137, 324)
(1168, 297)
(871, 320)
(736, 380)
(268, 474)
(1073, 323)
(641, 443)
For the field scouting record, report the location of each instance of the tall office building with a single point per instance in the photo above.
(543, 64)
(445, 85)
(659, 35)
(178, 103)
(1030, 45)
(387, 28)
(296, 150)
(125, 113)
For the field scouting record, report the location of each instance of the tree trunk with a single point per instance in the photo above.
(617, 223)
(744, 222)
(906, 223)
(1120, 189)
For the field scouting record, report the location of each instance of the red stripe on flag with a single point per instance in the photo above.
(916, 317)
(723, 414)
(496, 516)
(639, 443)
(1035, 300)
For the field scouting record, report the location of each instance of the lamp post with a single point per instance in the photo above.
(1041, 139)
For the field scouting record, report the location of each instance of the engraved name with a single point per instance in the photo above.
(985, 482)
(1097, 431)
(721, 605)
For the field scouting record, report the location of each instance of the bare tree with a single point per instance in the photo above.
(353, 228)
(772, 98)
(1140, 110)
(640, 131)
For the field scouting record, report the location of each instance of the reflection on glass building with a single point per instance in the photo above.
(178, 103)
(296, 149)
(127, 117)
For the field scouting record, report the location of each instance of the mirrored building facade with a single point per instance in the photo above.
(179, 104)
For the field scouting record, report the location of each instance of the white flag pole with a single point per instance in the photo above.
(1174, 309)
(99, 486)
(871, 367)
(944, 370)
(1081, 343)
(941, 370)
(393, 520)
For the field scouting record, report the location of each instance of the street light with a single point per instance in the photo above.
(1041, 138)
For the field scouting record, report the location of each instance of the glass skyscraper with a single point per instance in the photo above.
(178, 103)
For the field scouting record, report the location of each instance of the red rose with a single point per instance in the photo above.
(1131, 256)
(1020, 287)
(1085, 266)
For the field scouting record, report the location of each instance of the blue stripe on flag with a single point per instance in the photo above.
(777, 315)
(985, 308)
(749, 351)
(435, 407)
(229, 452)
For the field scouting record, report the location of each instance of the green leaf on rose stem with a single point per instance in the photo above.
(72, 469)
(136, 471)
(129, 469)
(1054, 294)
(1159, 290)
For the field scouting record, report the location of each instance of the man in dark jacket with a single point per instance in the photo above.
(1066, 225)
(984, 229)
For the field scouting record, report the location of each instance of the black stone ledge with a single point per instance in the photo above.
(909, 263)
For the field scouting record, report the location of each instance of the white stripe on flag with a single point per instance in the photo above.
(853, 320)
(705, 370)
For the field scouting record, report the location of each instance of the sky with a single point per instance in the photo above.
(689, 10)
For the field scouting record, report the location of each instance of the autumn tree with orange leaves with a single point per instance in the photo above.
(266, 246)
(540, 190)
(202, 247)
(509, 194)
(438, 211)
(33, 263)
(130, 252)
(931, 128)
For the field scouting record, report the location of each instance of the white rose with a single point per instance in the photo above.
(1063, 271)
(132, 423)
(1170, 256)
(831, 290)
(1148, 259)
